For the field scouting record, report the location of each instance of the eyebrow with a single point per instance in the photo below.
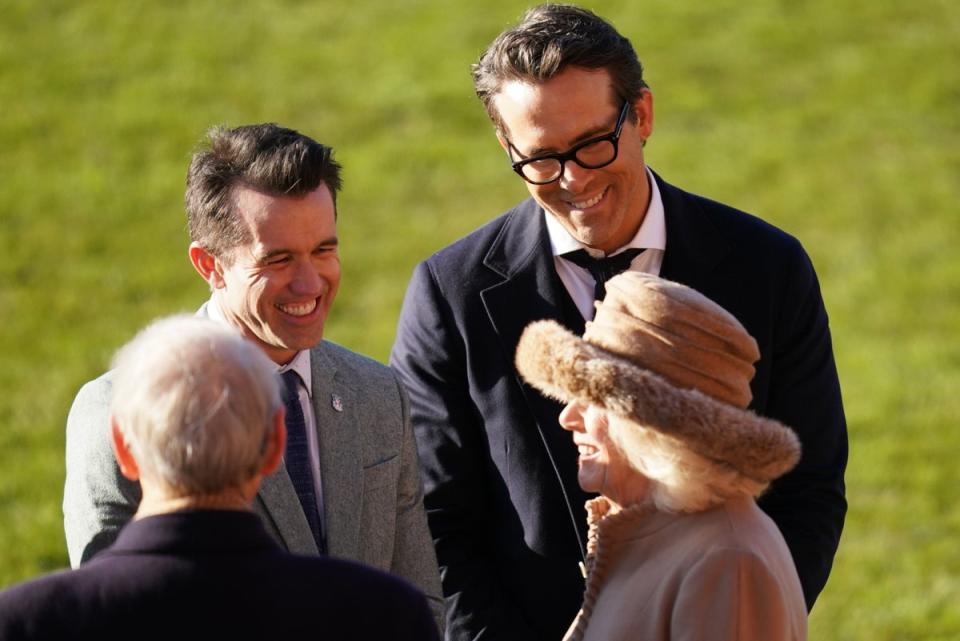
(594, 132)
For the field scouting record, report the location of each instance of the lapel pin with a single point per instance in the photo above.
(337, 402)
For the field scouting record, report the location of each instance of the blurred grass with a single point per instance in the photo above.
(836, 121)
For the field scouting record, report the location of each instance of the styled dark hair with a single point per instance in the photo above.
(549, 38)
(267, 158)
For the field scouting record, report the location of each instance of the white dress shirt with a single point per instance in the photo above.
(651, 236)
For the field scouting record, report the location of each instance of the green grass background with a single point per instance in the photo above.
(837, 121)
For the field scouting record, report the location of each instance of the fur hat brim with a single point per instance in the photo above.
(566, 367)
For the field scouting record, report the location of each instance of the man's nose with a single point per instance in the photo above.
(306, 280)
(574, 177)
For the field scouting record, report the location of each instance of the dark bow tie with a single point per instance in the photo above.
(602, 269)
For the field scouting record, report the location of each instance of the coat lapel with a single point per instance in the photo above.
(531, 290)
(279, 506)
(340, 455)
(339, 470)
(694, 244)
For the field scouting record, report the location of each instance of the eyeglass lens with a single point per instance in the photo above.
(593, 156)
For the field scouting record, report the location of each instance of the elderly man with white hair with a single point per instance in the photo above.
(197, 418)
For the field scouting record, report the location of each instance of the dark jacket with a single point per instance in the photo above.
(212, 575)
(505, 510)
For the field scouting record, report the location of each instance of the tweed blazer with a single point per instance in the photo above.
(504, 506)
(372, 492)
(177, 576)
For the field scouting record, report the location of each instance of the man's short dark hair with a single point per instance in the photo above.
(550, 38)
(267, 158)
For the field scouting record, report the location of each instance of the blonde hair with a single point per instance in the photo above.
(194, 402)
(680, 480)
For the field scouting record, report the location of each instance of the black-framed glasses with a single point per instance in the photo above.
(590, 154)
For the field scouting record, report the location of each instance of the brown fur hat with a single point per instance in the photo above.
(666, 357)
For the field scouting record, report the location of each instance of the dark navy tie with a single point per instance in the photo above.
(602, 269)
(297, 456)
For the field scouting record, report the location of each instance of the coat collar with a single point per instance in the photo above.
(529, 288)
(694, 243)
(194, 532)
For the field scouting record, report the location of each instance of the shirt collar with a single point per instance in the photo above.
(652, 233)
(301, 365)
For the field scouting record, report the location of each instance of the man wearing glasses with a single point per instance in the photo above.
(566, 94)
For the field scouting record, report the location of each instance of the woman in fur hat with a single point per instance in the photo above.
(656, 393)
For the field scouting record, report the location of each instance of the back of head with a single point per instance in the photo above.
(194, 402)
(267, 158)
(549, 38)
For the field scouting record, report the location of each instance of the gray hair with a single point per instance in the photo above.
(680, 479)
(194, 402)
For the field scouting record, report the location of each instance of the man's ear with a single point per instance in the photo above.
(128, 465)
(206, 265)
(643, 107)
(503, 141)
(276, 445)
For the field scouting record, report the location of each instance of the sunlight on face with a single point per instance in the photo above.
(602, 465)
(279, 287)
(602, 207)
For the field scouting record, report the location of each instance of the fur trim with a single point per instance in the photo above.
(566, 367)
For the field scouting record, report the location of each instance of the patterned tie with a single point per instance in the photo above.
(602, 269)
(297, 456)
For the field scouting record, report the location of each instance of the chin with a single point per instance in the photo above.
(304, 339)
(589, 483)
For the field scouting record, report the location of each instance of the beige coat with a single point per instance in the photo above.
(720, 575)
